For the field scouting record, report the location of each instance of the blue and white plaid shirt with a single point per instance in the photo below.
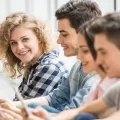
(44, 76)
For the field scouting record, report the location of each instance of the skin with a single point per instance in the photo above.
(25, 45)
(84, 55)
(67, 37)
(90, 108)
(115, 116)
(108, 55)
(9, 115)
(70, 114)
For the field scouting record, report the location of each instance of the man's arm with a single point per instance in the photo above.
(95, 107)
(39, 100)
(115, 116)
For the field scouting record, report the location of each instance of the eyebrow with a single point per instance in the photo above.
(23, 36)
(81, 46)
(20, 38)
(61, 31)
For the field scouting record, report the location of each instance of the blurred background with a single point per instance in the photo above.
(45, 10)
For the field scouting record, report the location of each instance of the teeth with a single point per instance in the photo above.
(64, 47)
(22, 53)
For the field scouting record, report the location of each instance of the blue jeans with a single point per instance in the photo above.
(46, 107)
(85, 116)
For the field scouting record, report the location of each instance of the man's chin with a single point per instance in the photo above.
(111, 75)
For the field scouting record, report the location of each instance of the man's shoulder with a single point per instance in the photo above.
(114, 88)
(76, 73)
(76, 66)
(91, 78)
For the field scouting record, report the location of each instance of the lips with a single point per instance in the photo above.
(23, 53)
(64, 47)
(84, 63)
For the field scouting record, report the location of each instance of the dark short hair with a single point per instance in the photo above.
(109, 25)
(89, 39)
(78, 12)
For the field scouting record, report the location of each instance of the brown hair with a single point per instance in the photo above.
(78, 12)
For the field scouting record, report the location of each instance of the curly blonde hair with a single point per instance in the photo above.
(12, 64)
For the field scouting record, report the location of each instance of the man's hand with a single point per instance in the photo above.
(39, 112)
(33, 117)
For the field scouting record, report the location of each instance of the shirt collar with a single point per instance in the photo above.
(53, 53)
(107, 82)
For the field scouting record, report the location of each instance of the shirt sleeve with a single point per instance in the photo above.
(112, 95)
(61, 95)
(77, 100)
(47, 79)
(43, 80)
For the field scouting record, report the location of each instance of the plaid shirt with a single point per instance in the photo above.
(44, 76)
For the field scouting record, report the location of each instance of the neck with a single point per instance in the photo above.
(101, 73)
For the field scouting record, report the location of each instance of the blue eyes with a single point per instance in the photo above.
(13, 43)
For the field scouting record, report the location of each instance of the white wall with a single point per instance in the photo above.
(106, 6)
(43, 9)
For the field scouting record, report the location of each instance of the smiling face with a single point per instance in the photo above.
(84, 55)
(108, 55)
(25, 45)
(67, 37)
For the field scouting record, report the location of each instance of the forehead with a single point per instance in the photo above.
(20, 31)
(64, 24)
(103, 43)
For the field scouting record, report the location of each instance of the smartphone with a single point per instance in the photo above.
(18, 94)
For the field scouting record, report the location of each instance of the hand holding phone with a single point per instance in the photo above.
(20, 98)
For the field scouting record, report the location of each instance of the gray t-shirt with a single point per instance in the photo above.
(112, 96)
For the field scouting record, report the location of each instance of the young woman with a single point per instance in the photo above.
(27, 47)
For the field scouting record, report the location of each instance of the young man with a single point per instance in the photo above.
(106, 31)
(70, 92)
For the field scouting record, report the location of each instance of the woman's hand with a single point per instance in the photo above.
(7, 104)
(9, 115)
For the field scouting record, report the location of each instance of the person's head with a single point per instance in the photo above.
(70, 16)
(23, 38)
(106, 31)
(90, 56)
(84, 54)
